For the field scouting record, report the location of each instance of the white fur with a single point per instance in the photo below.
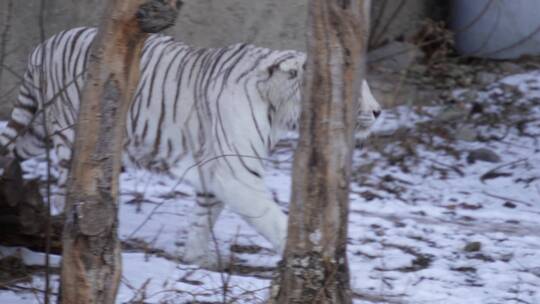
(368, 109)
(253, 202)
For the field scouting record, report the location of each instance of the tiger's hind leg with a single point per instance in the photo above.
(206, 213)
(58, 193)
(61, 160)
(32, 145)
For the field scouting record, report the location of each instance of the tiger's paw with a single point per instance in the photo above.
(209, 260)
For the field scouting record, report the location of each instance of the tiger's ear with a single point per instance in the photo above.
(270, 70)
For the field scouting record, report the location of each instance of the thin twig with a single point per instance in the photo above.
(377, 22)
(488, 173)
(454, 168)
(41, 18)
(5, 35)
(507, 199)
(378, 36)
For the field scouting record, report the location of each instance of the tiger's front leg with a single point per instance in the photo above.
(247, 195)
(206, 213)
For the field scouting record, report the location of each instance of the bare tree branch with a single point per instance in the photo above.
(4, 37)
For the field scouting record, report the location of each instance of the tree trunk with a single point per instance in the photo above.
(314, 268)
(91, 266)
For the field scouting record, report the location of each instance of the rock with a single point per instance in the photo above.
(450, 83)
(482, 257)
(467, 95)
(464, 269)
(509, 205)
(485, 78)
(510, 68)
(395, 55)
(452, 113)
(507, 257)
(476, 108)
(369, 196)
(419, 69)
(535, 271)
(384, 89)
(465, 81)
(473, 247)
(483, 154)
(465, 134)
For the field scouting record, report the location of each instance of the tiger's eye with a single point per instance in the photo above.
(293, 74)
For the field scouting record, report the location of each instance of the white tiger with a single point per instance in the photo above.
(218, 110)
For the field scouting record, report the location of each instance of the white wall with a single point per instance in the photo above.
(272, 23)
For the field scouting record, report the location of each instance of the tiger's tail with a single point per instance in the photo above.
(18, 138)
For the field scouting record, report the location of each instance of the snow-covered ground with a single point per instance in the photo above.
(430, 221)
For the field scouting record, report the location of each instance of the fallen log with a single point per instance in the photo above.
(23, 213)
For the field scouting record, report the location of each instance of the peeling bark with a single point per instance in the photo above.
(314, 268)
(91, 266)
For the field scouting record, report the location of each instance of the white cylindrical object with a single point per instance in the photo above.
(500, 29)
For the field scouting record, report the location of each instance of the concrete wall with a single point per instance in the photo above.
(272, 23)
(24, 34)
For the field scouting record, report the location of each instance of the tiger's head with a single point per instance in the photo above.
(283, 86)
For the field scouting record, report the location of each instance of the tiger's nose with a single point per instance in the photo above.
(377, 113)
